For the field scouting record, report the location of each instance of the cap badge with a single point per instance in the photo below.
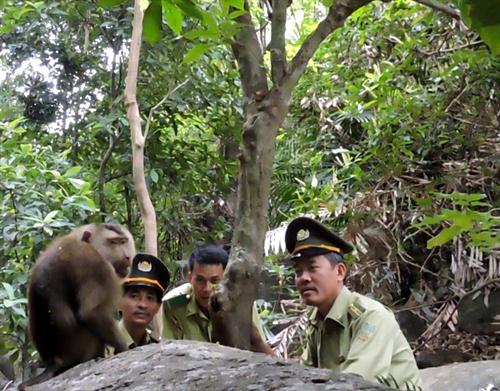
(303, 234)
(144, 266)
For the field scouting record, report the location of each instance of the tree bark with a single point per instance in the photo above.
(138, 141)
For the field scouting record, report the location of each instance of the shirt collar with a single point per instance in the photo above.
(128, 339)
(194, 309)
(338, 311)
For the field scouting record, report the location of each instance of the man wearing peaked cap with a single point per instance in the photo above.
(143, 290)
(348, 332)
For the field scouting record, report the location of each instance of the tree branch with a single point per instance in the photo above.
(277, 44)
(337, 14)
(147, 210)
(148, 213)
(248, 53)
(102, 171)
(434, 4)
(150, 116)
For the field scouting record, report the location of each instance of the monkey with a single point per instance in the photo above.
(73, 292)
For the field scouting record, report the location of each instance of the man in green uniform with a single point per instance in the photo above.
(348, 332)
(143, 290)
(186, 313)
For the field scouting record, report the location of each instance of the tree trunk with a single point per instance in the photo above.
(138, 141)
(265, 111)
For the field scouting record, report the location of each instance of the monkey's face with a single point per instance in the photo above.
(116, 247)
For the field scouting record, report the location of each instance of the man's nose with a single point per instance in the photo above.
(142, 302)
(304, 278)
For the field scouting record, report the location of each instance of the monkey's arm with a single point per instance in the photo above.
(96, 313)
(257, 344)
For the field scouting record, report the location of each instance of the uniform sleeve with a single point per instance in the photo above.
(371, 347)
(309, 356)
(171, 328)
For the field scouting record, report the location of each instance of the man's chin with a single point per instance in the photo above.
(142, 321)
(203, 304)
(310, 299)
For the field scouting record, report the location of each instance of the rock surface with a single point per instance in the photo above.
(190, 365)
(470, 376)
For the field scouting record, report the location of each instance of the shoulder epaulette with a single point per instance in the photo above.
(178, 296)
(355, 310)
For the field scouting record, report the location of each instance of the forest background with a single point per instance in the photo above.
(391, 139)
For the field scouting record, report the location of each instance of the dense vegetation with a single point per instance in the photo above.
(391, 138)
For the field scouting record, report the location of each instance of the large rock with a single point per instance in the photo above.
(190, 365)
(470, 376)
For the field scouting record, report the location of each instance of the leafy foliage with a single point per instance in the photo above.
(482, 16)
(482, 227)
(397, 105)
(40, 194)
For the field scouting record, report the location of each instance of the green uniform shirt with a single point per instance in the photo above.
(359, 335)
(128, 339)
(183, 318)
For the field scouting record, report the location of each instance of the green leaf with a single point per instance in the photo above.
(196, 52)
(173, 16)
(15, 123)
(72, 171)
(50, 216)
(154, 176)
(237, 14)
(26, 148)
(483, 16)
(430, 220)
(152, 22)
(238, 4)
(77, 183)
(9, 290)
(490, 35)
(110, 3)
(444, 236)
(8, 303)
(190, 9)
(196, 34)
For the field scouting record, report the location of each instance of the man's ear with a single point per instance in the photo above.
(341, 270)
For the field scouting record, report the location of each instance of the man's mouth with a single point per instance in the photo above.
(141, 314)
(307, 290)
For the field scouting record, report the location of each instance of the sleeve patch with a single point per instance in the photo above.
(366, 332)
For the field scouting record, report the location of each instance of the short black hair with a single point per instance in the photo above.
(128, 288)
(209, 254)
(334, 258)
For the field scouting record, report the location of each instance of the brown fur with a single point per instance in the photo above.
(73, 292)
